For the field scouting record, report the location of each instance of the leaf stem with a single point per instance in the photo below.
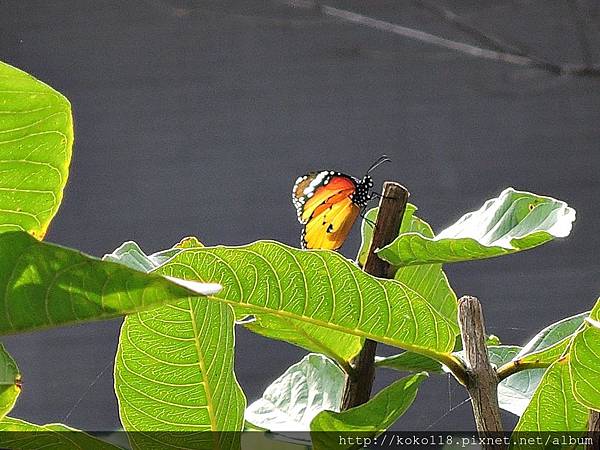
(455, 365)
(512, 367)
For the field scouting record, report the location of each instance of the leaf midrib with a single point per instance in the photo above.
(440, 356)
(207, 388)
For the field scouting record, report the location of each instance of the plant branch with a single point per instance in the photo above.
(482, 382)
(509, 57)
(466, 26)
(392, 205)
(512, 367)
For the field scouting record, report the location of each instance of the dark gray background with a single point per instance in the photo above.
(194, 118)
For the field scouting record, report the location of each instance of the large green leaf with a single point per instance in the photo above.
(325, 289)
(409, 362)
(368, 420)
(45, 285)
(429, 281)
(10, 382)
(36, 136)
(340, 346)
(18, 434)
(512, 222)
(550, 343)
(174, 372)
(515, 392)
(584, 361)
(553, 407)
(131, 255)
(292, 401)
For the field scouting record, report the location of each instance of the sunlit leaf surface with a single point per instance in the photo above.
(553, 406)
(36, 136)
(174, 370)
(322, 288)
(18, 434)
(512, 222)
(292, 401)
(10, 382)
(45, 285)
(584, 361)
(550, 343)
(369, 419)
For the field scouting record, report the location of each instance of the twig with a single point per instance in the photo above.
(428, 38)
(486, 38)
(594, 430)
(392, 205)
(482, 383)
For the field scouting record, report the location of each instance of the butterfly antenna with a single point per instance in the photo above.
(377, 163)
(366, 219)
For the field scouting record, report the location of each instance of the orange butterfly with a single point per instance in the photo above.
(328, 204)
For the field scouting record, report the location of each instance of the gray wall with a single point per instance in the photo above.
(194, 118)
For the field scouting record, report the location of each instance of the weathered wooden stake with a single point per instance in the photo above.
(482, 381)
(594, 430)
(391, 210)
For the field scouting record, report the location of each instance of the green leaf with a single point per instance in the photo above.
(428, 281)
(553, 407)
(409, 362)
(341, 347)
(10, 382)
(16, 433)
(324, 289)
(36, 136)
(492, 339)
(45, 285)
(584, 362)
(292, 401)
(131, 255)
(515, 392)
(512, 222)
(174, 372)
(550, 343)
(499, 354)
(368, 420)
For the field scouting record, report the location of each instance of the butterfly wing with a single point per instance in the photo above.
(324, 205)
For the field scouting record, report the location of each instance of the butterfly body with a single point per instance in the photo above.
(328, 204)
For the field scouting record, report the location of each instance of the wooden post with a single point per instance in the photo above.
(391, 210)
(594, 430)
(482, 381)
